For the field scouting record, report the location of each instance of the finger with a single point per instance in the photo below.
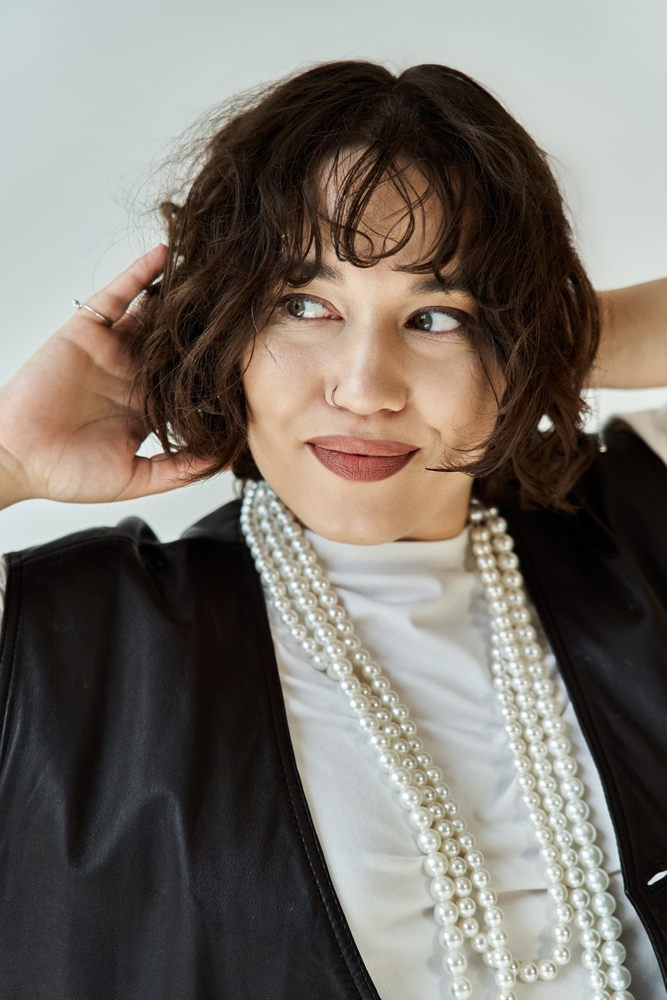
(112, 302)
(161, 473)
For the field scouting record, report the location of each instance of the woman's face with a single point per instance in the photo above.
(362, 382)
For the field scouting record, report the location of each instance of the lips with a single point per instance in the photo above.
(360, 459)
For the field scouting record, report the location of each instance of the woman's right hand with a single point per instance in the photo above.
(69, 430)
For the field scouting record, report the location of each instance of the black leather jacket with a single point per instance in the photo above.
(155, 842)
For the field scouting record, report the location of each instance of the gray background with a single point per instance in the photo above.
(92, 95)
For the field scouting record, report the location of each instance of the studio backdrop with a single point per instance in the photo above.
(94, 96)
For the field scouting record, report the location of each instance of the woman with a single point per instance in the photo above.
(370, 301)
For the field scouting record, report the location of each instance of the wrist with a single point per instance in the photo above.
(12, 489)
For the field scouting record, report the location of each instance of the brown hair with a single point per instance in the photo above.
(252, 213)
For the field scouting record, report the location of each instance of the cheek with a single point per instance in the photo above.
(456, 398)
(280, 382)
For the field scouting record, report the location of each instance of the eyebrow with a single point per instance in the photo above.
(422, 285)
(429, 283)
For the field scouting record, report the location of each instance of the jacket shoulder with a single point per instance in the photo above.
(124, 575)
(135, 536)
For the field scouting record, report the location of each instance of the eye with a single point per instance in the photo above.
(300, 307)
(437, 321)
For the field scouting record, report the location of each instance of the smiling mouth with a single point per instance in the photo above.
(361, 460)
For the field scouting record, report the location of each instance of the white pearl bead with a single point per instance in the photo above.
(325, 633)
(590, 938)
(321, 661)
(618, 977)
(462, 885)
(500, 958)
(442, 888)
(480, 944)
(460, 988)
(591, 959)
(341, 667)
(388, 760)
(420, 818)
(603, 904)
(493, 916)
(399, 778)
(584, 833)
(505, 979)
(597, 979)
(436, 865)
(577, 810)
(584, 920)
(580, 899)
(609, 928)
(562, 837)
(409, 798)
(458, 867)
(428, 841)
(497, 938)
(597, 879)
(547, 969)
(554, 873)
(613, 952)
(528, 972)
(574, 877)
(569, 858)
(446, 913)
(561, 933)
(368, 723)
(358, 704)
(470, 927)
(379, 742)
(571, 788)
(480, 878)
(486, 898)
(590, 856)
(455, 963)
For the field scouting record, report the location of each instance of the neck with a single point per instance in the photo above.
(448, 522)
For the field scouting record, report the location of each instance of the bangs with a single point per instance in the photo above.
(334, 211)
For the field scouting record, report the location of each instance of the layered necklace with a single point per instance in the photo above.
(465, 903)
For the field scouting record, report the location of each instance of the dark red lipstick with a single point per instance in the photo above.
(361, 459)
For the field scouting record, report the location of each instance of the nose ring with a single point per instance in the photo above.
(333, 401)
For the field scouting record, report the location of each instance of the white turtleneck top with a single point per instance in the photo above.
(419, 610)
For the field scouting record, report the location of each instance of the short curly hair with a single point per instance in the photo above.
(251, 215)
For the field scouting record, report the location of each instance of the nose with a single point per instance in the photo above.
(367, 371)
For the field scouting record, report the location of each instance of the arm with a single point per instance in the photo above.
(69, 428)
(633, 345)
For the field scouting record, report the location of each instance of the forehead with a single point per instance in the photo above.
(397, 214)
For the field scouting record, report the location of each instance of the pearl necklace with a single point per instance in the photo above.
(309, 607)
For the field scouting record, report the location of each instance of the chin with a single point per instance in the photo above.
(355, 522)
(357, 533)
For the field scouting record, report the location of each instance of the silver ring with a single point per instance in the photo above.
(135, 317)
(82, 305)
(333, 401)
